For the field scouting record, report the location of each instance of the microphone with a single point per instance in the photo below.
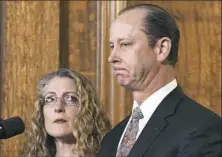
(11, 127)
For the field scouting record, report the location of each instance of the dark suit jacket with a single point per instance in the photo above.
(179, 127)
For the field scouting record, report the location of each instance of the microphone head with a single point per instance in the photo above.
(11, 127)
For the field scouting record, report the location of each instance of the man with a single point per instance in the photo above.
(144, 42)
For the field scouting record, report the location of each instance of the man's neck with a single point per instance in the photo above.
(163, 77)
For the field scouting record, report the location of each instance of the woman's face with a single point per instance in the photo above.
(60, 107)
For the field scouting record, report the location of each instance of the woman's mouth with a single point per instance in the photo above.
(60, 121)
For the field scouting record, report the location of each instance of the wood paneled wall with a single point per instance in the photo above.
(37, 37)
(82, 36)
(30, 49)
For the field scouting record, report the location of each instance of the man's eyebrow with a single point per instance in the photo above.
(144, 31)
(120, 39)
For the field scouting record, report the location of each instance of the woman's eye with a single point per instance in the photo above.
(72, 99)
(49, 99)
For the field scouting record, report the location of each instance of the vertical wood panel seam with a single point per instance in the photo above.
(211, 58)
(98, 50)
(198, 93)
(63, 34)
(104, 7)
(2, 21)
(86, 32)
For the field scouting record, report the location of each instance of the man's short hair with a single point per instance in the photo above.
(158, 23)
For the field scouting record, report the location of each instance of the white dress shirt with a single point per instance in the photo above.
(150, 104)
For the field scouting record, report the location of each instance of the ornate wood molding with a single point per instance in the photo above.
(111, 94)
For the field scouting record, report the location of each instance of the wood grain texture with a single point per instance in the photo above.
(116, 99)
(35, 42)
(30, 50)
(1, 51)
(103, 69)
(199, 66)
(1, 55)
(82, 38)
(64, 34)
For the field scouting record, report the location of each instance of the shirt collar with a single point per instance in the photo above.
(152, 102)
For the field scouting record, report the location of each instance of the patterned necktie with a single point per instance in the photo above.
(130, 135)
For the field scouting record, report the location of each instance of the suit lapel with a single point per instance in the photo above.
(157, 123)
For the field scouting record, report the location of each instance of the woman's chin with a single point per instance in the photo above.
(61, 135)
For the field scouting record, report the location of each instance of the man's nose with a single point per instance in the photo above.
(114, 56)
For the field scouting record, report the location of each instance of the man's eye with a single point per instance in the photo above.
(124, 44)
(111, 46)
(49, 99)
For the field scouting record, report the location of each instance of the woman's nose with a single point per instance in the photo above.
(59, 107)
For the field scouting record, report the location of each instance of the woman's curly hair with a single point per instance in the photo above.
(90, 125)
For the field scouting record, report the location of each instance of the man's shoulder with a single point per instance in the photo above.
(191, 113)
(195, 108)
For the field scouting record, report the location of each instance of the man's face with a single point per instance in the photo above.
(131, 57)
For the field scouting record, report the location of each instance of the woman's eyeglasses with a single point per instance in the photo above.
(69, 98)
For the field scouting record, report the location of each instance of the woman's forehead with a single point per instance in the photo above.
(60, 85)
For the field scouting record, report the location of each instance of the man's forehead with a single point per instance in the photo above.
(123, 30)
(126, 23)
(132, 17)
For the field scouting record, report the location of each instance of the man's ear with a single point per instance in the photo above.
(162, 49)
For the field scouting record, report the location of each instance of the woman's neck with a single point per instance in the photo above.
(64, 148)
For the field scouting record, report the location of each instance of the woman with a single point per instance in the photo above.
(68, 119)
